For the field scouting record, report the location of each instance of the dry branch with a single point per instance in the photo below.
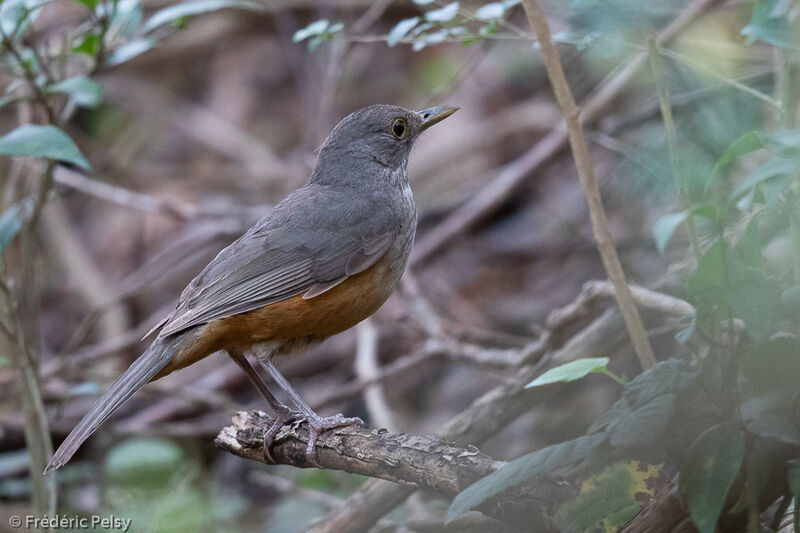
(583, 162)
(427, 462)
(487, 415)
(423, 461)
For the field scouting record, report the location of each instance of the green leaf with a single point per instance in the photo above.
(90, 4)
(12, 219)
(665, 227)
(570, 371)
(749, 142)
(775, 427)
(710, 271)
(88, 46)
(777, 166)
(640, 416)
(491, 11)
(30, 140)
(539, 462)
(772, 189)
(771, 368)
(486, 31)
(710, 470)
(444, 14)
(128, 51)
(194, 7)
(315, 28)
(754, 301)
(748, 249)
(641, 426)
(428, 38)
(16, 16)
(401, 29)
(785, 143)
(790, 301)
(82, 90)
(3, 361)
(772, 26)
(148, 462)
(706, 210)
(609, 499)
(127, 18)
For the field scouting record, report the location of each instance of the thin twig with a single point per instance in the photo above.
(367, 367)
(672, 145)
(121, 196)
(672, 54)
(583, 162)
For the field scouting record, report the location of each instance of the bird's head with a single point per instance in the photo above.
(379, 135)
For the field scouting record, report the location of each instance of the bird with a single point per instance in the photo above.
(323, 259)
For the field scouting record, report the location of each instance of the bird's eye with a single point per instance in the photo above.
(399, 128)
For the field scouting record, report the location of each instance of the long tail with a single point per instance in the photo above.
(156, 357)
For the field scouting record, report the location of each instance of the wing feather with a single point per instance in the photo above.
(269, 264)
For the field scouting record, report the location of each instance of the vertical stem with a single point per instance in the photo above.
(794, 227)
(657, 66)
(583, 162)
(751, 493)
(796, 513)
(787, 73)
(37, 431)
(39, 448)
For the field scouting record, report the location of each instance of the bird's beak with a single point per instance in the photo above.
(434, 115)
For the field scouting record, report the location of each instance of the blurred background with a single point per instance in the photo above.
(219, 118)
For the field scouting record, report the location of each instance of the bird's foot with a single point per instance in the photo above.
(282, 416)
(320, 424)
(316, 426)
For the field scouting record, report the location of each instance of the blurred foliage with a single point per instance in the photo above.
(610, 498)
(160, 488)
(733, 174)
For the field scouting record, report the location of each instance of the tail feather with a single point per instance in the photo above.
(156, 357)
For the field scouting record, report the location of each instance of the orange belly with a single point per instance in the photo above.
(294, 321)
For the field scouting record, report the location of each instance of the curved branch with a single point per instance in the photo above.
(425, 461)
(422, 461)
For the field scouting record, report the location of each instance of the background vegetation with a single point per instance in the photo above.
(143, 137)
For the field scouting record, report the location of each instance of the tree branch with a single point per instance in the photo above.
(427, 462)
(423, 461)
(487, 415)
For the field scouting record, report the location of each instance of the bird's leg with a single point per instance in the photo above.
(282, 413)
(316, 424)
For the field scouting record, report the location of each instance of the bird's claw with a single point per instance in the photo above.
(281, 418)
(316, 426)
(320, 424)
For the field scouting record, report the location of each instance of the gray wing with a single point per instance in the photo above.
(307, 245)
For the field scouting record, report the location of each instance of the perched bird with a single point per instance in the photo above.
(322, 260)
